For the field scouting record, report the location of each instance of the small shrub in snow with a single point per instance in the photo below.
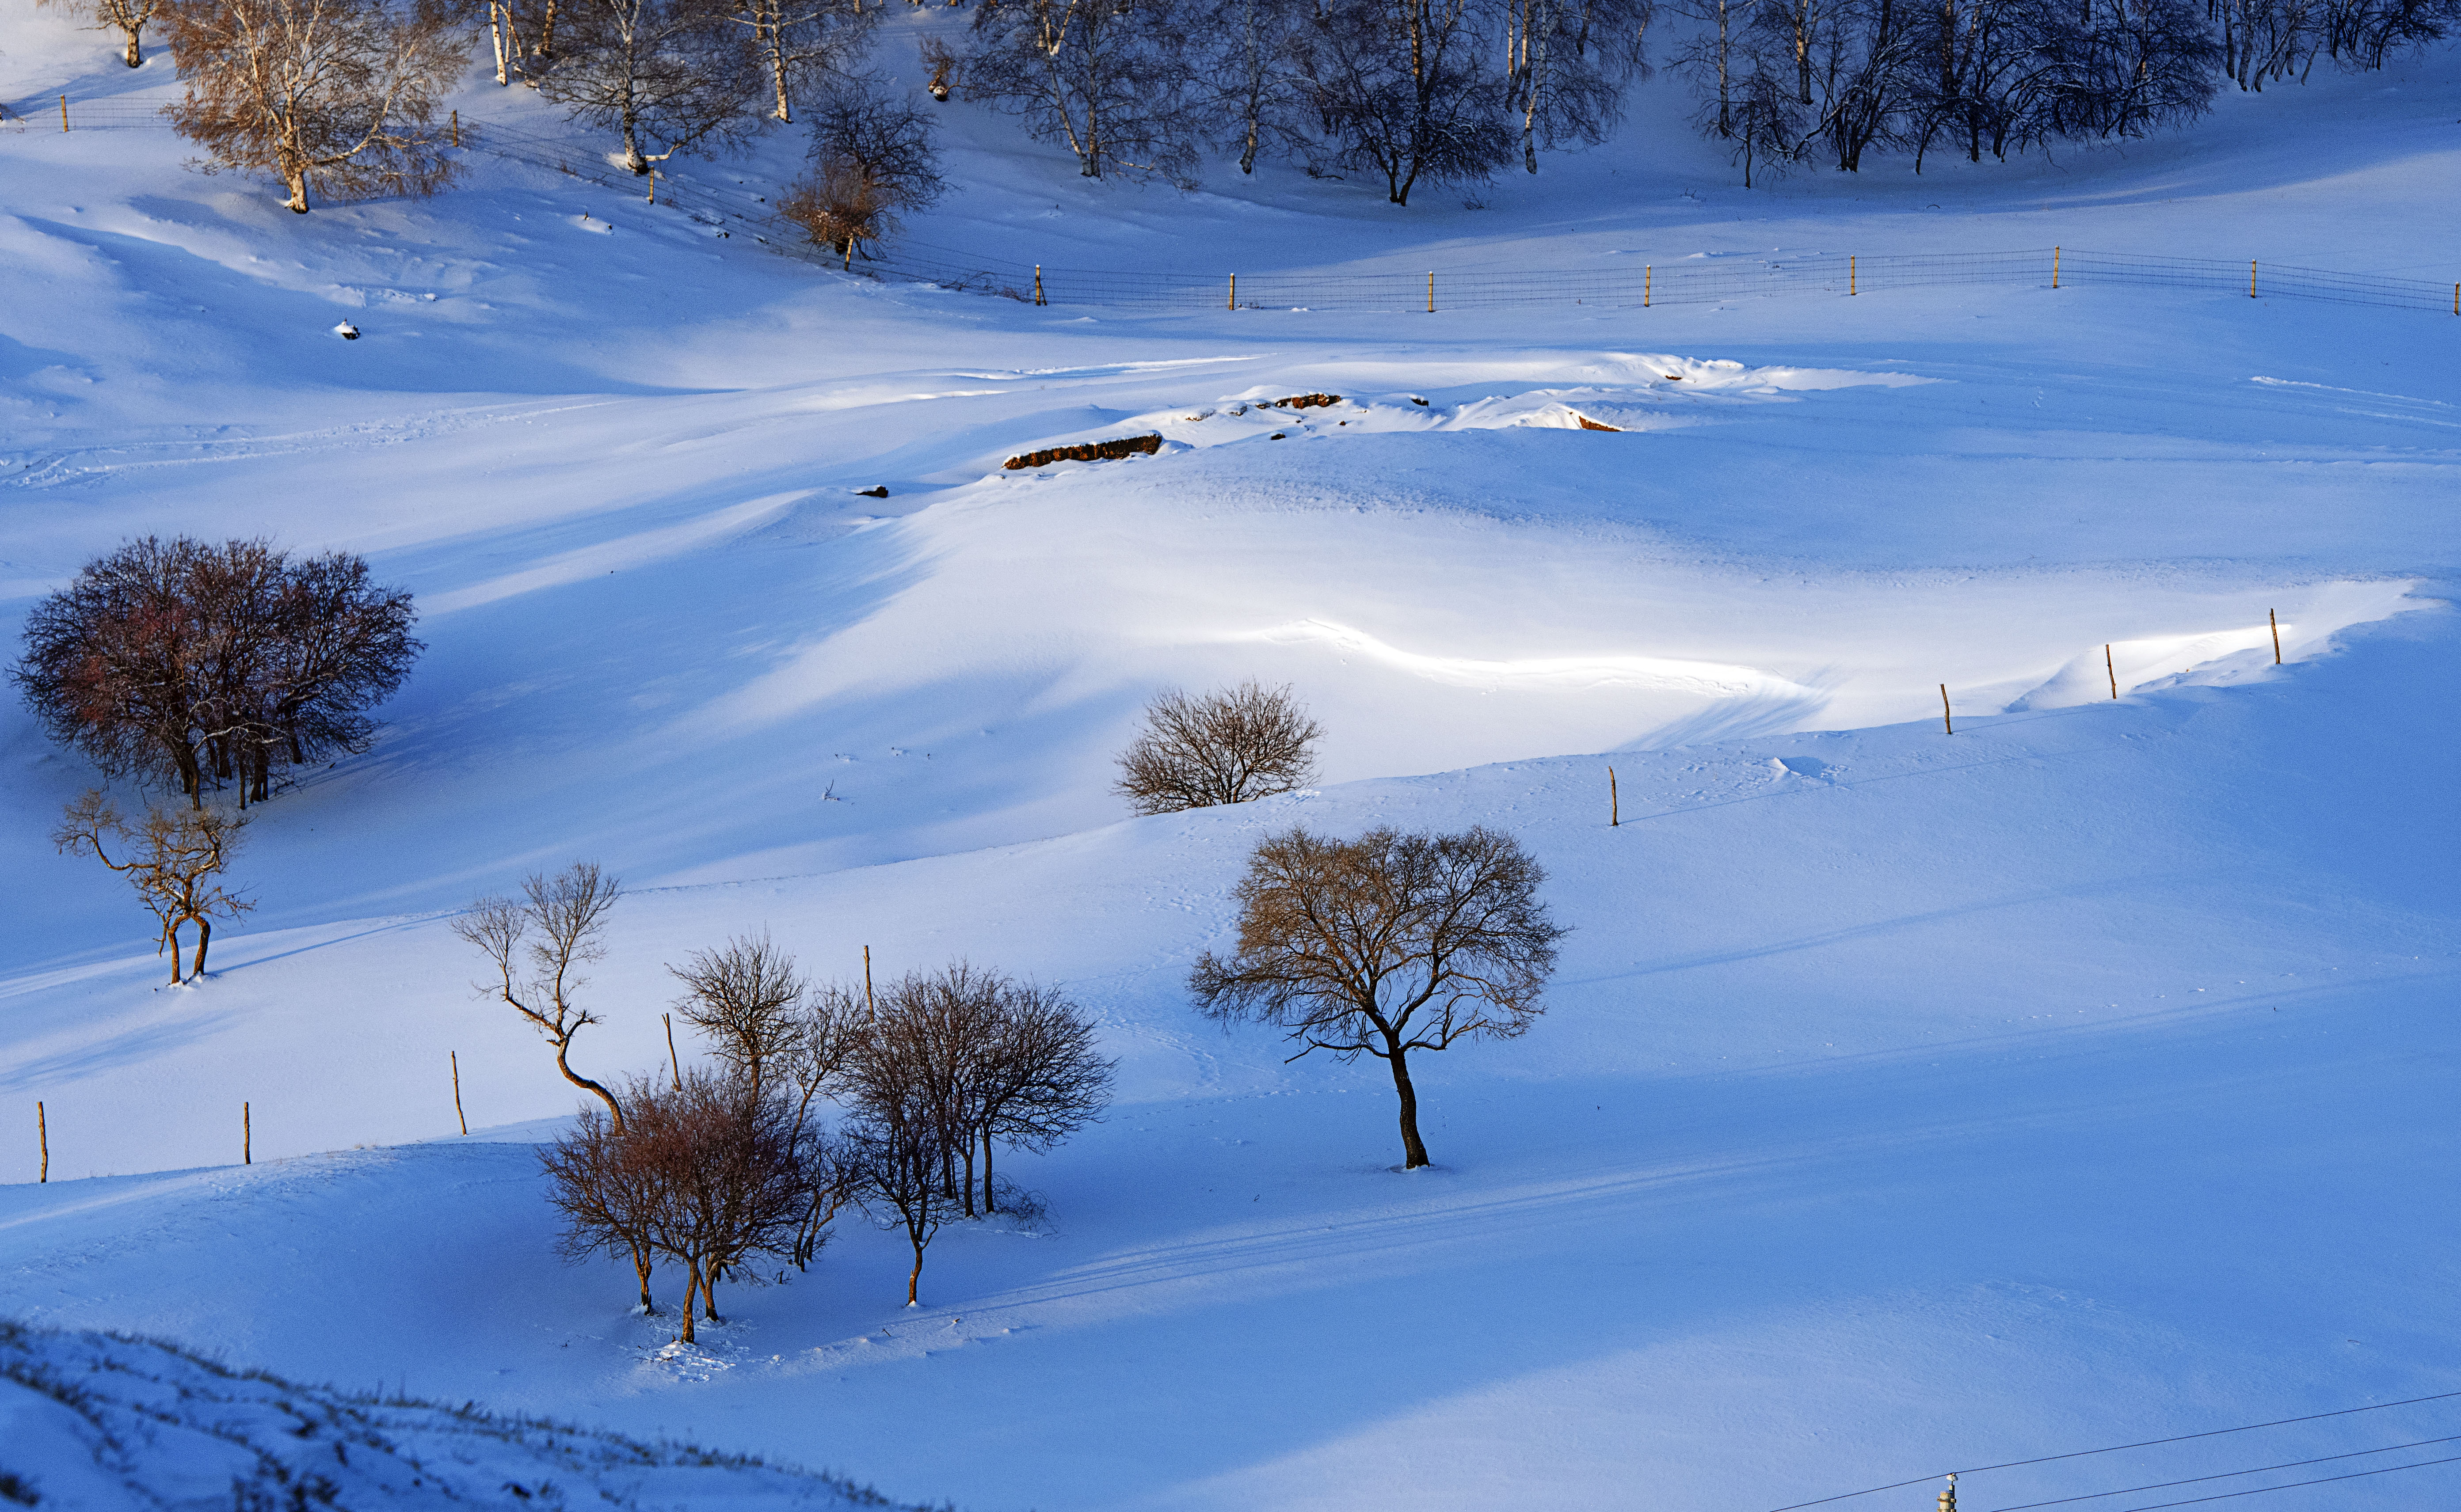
(1229, 747)
(1386, 945)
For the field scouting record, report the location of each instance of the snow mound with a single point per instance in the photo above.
(101, 1420)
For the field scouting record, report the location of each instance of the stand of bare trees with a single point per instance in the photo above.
(338, 93)
(1229, 747)
(1386, 944)
(174, 858)
(193, 664)
(711, 1170)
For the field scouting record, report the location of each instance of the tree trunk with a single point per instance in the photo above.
(708, 1292)
(171, 932)
(641, 1268)
(298, 193)
(914, 1277)
(614, 1109)
(692, 1290)
(1414, 1151)
(204, 936)
(136, 59)
(987, 1172)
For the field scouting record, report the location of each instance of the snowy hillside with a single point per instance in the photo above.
(1907, 1100)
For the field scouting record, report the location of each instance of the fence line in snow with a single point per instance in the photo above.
(1636, 285)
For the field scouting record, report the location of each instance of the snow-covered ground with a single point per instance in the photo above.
(1907, 1101)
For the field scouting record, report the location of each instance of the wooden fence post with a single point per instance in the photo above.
(247, 1138)
(2277, 636)
(64, 113)
(2112, 668)
(456, 1091)
(2251, 278)
(1235, 292)
(1038, 282)
(43, 1139)
(1944, 717)
(456, 128)
(1850, 289)
(2055, 268)
(866, 981)
(1431, 292)
(1948, 1497)
(1646, 271)
(1614, 803)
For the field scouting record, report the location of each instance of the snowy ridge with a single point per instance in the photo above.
(98, 1422)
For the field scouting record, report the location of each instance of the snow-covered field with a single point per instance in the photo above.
(1907, 1100)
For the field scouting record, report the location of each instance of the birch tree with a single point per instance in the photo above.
(339, 93)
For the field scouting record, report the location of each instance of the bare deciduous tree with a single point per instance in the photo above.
(872, 161)
(610, 1190)
(799, 38)
(538, 944)
(1386, 945)
(127, 17)
(1042, 1080)
(340, 92)
(1107, 77)
(1401, 88)
(1246, 742)
(175, 860)
(733, 1183)
(894, 1156)
(680, 76)
(746, 998)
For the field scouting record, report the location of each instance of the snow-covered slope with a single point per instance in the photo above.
(1907, 1099)
(119, 1422)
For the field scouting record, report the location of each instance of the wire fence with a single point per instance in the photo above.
(703, 193)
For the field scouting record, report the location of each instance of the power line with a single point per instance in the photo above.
(2258, 1491)
(2144, 1444)
(2289, 1464)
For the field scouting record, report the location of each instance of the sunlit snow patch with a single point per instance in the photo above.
(1708, 679)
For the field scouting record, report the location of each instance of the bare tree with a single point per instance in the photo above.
(1042, 1080)
(1567, 65)
(679, 75)
(799, 38)
(747, 998)
(340, 92)
(127, 17)
(610, 1191)
(1248, 72)
(731, 1182)
(1401, 88)
(1229, 747)
(175, 860)
(1386, 945)
(1107, 77)
(894, 1155)
(538, 944)
(872, 161)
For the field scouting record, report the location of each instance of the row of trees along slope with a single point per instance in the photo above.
(346, 95)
